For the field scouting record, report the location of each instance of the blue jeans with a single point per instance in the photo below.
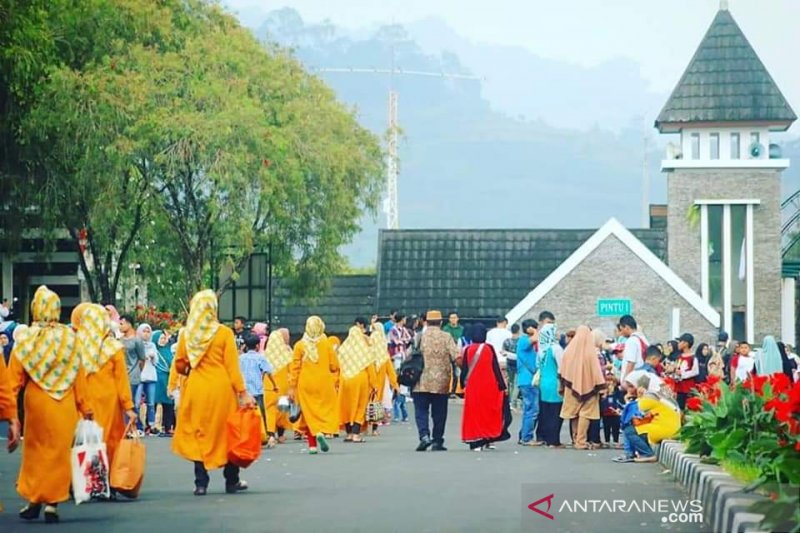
(136, 397)
(399, 411)
(150, 398)
(637, 443)
(530, 411)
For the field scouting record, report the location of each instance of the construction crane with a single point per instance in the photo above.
(392, 167)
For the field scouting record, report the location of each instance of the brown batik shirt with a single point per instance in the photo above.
(439, 350)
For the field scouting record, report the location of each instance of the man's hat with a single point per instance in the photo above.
(433, 315)
(687, 338)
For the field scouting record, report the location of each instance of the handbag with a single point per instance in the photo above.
(127, 469)
(149, 371)
(375, 412)
(243, 429)
(89, 461)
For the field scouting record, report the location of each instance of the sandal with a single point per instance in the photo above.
(50, 514)
(30, 511)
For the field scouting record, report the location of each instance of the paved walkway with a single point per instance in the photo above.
(382, 485)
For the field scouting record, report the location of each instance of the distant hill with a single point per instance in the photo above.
(469, 156)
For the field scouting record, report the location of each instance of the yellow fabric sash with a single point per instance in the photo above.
(355, 354)
(278, 353)
(201, 325)
(95, 342)
(47, 349)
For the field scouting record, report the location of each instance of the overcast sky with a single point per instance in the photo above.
(661, 35)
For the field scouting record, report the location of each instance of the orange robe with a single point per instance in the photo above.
(45, 474)
(384, 372)
(110, 392)
(8, 400)
(354, 394)
(315, 388)
(276, 418)
(208, 398)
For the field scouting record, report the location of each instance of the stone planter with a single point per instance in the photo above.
(724, 502)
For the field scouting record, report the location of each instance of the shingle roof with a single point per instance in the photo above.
(725, 82)
(479, 273)
(349, 297)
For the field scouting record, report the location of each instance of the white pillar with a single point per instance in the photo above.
(750, 277)
(727, 289)
(8, 278)
(788, 319)
(704, 291)
(676, 322)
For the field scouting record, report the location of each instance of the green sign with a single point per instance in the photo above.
(614, 307)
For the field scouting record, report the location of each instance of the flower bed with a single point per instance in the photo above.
(755, 424)
(163, 320)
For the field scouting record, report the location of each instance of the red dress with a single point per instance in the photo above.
(485, 409)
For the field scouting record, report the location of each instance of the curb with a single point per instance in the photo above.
(725, 504)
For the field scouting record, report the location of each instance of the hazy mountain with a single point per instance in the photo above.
(484, 153)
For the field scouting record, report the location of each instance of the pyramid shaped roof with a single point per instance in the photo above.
(725, 82)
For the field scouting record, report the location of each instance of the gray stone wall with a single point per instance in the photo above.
(686, 186)
(614, 271)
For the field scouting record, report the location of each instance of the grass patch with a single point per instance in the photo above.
(743, 472)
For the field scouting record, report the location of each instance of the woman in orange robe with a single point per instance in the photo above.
(46, 361)
(280, 355)
(358, 380)
(313, 375)
(103, 358)
(384, 367)
(8, 406)
(207, 355)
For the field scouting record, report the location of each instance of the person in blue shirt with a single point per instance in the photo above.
(526, 368)
(254, 366)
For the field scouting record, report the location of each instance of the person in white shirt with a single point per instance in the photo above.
(635, 346)
(497, 336)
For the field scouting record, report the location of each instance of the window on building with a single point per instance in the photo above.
(695, 146)
(755, 138)
(735, 146)
(713, 142)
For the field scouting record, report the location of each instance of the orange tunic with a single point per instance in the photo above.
(208, 398)
(45, 474)
(110, 392)
(384, 372)
(354, 395)
(276, 418)
(8, 400)
(315, 386)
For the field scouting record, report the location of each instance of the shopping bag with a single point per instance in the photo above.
(127, 470)
(244, 437)
(89, 463)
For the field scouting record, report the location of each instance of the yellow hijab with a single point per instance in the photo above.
(96, 344)
(380, 347)
(355, 354)
(201, 325)
(315, 332)
(47, 349)
(278, 353)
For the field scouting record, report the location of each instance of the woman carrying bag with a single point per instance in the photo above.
(207, 355)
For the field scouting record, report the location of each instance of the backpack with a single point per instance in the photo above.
(411, 370)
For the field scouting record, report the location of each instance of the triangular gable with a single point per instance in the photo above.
(725, 82)
(613, 227)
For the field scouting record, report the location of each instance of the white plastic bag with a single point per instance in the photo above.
(89, 463)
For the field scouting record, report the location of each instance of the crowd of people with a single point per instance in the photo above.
(616, 391)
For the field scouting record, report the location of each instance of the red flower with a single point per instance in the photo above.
(797, 446)
(780, 383)
(694, 403)
(756, 384)
(712, 380)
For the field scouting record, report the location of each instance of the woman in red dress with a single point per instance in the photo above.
(486, 410)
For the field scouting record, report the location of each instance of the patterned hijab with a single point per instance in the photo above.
(380, 346)
(355, 354)
(315, 332)
(580, 370)
(47, 349)
(96, 344)
(201, 325)
(278, 353)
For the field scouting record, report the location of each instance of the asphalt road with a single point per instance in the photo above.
(382, 485)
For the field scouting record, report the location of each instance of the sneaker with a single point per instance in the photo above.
(489, 447)
(623, 459)
(312, 451)
(424, 444)
(438, 448)
(323, 443)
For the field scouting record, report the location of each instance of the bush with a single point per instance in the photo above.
(753, 423)
(157, 319)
